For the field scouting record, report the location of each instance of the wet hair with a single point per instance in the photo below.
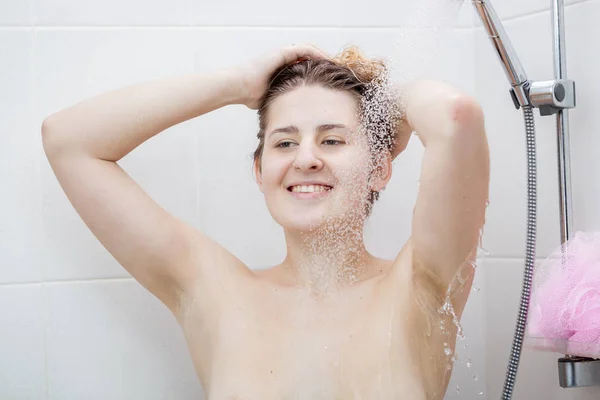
(349, 71)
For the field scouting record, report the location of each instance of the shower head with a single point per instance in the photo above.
(508, 57)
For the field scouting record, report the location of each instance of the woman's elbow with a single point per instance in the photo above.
(466, 111)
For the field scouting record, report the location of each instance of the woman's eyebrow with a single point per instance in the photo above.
(294, 128)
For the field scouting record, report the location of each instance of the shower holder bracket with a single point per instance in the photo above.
(548, 96)
(578, 371)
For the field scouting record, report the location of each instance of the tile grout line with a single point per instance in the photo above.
(216, 27)
(127, 278)
(65, 281)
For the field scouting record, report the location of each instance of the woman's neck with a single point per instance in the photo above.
(327, 258)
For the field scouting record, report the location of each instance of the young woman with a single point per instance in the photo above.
(331, 321)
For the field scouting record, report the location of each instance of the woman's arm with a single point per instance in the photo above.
(454, 184)
(82, 144)
(111, 125)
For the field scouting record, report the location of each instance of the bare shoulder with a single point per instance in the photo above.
(216, 264)
(219, 277)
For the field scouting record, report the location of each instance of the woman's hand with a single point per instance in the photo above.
(255, 74)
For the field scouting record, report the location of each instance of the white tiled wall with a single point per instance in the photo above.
(76, 326)
(111, 339)
(528, 23)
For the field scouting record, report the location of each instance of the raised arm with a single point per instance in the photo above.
(454, 185)
(83, 144)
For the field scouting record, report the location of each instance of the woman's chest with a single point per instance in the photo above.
(276, 347)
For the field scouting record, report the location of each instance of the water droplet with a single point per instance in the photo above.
(457, 390)
(475, 377)
(481, 393)
(476, 289)
(466, 345)
(469, 363)
(448, 351)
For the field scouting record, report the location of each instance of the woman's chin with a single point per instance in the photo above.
(307, 220)
(305, 226)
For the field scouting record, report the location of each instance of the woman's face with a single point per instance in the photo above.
(315, 162)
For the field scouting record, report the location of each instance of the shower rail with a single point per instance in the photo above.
(550, 97)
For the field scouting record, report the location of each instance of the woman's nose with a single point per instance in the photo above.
(307, 159)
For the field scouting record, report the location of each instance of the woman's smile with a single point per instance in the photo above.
(309, 192)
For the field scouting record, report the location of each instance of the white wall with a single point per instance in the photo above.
(75, 325)
(528, 23)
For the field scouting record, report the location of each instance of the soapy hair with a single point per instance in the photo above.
(350, 71)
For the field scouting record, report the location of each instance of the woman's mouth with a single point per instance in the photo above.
(309, 192)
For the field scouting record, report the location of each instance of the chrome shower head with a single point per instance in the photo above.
(508, 57)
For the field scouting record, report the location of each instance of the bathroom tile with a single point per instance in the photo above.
(112, 12)
(16, 13)
(21, 237)
(503, 280)
(584, 124)
(22, 370)
(469, 372)
(507, 9)
(267, 13)
(407, 13)
(505, 230)
(73, 66)
(111, 339)
(337, 13)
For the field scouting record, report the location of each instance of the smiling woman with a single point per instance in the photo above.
(360, 84)
(331, 321)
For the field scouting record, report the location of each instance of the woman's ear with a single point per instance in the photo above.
(382, 173)
(402, 136)
(257, 174)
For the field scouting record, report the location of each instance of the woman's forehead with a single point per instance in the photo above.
(309, 107)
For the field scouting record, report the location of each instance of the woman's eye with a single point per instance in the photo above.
(284, 144)
(333, 142)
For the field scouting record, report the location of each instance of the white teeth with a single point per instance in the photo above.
(309, 188)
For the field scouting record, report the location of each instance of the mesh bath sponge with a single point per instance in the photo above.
(564, 312)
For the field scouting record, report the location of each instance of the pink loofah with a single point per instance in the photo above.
(564, 312)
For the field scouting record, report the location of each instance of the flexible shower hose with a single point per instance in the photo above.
(517, 346)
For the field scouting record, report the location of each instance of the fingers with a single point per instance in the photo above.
(320, 52)
(304, 51)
